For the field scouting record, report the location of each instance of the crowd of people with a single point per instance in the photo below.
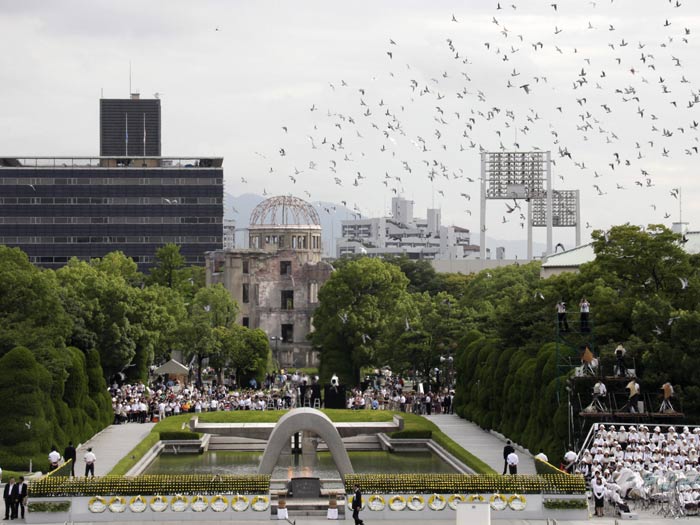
(140, 403)
(636, 462)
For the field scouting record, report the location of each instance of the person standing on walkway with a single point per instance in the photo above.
(512, 461)
(357, 505)
(23, 492)
(90, 459)
(9, 496)
(69, 454)
(620, 352)
(508, 449)
(598, 488)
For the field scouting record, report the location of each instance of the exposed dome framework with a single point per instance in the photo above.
(284, 210)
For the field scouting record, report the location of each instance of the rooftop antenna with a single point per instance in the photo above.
(680, 206)
(129, 77)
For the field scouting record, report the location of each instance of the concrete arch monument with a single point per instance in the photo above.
(310, 420)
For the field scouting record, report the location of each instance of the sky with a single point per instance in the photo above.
(365, 100)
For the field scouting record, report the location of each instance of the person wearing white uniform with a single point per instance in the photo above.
(512, 461)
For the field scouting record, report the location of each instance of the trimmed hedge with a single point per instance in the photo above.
(565, 504)
(179, 435)
(412, 434)
(466, 484)
(48, 506)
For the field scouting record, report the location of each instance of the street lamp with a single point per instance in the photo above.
(277, 341)
(447, 361)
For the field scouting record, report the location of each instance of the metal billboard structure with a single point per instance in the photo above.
(566, 211)
(517, 175)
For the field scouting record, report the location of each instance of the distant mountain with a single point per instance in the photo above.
(240, 207)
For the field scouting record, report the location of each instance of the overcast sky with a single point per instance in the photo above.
(611, 83)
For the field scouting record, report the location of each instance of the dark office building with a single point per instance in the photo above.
(58, 208)
(125, 123)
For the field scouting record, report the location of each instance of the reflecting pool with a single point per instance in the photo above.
(246, 462)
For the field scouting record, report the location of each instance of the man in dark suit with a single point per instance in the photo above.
(8, 495)
(357, 505)
(23, 492)
(69, 454)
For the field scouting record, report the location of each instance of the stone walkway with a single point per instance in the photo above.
(487, 446)
(111, 445)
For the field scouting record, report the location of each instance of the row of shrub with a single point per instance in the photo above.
(464, 483)
(150, 484)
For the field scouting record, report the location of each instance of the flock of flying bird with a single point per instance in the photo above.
(618, 113)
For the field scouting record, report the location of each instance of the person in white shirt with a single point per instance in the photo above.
(54, 459)
(598, 487)
(542, 456)
(512, 461)
(90, 459)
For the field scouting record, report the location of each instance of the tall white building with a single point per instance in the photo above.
(404, 234)
(229, 238)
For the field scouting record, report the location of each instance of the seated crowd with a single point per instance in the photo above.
(640, 450)
(634, 462)
(139, 403)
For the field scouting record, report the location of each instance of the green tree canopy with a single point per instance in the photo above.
(356, 304)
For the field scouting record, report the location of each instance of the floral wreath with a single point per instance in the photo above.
(159, 503)
(476, 497)
(453, 500)
(97, 504)
(498, 502)
(416, 502)
(376, 502)
(179, 503)
(397, 502)
(260, 503)
(199, 503)
(437, 502)
(117, 504)
(219, 503)
(239, 503)
(517, 502)
(138, 504)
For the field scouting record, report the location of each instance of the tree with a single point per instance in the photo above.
(355, 305)
(244, 350)
(100, 305)
(646, 261)
(31, 313)
(211, 307)
(169, 262)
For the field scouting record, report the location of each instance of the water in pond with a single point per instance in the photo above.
(236, 462)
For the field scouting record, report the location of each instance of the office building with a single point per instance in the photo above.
(404, 234)
(55, 208)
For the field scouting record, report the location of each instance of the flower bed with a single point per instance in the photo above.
(150, 484)
(465, 483)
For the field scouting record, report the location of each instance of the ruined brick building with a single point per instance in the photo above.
(276, 281)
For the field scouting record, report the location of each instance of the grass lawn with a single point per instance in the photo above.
(7, 474)
(414, 426)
